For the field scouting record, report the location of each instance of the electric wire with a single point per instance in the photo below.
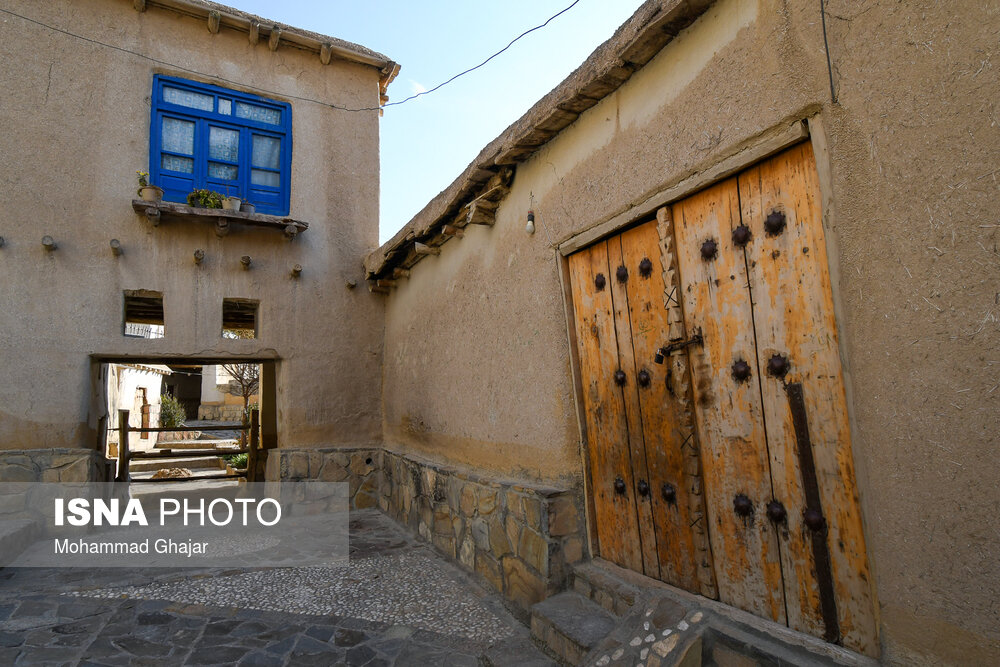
(286, 95)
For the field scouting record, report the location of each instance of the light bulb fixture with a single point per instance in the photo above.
(530, 227)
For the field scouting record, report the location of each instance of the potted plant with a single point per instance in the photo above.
(248, 207)
(205, 199)
(146, 191)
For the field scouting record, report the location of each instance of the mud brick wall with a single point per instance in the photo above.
(520, 538)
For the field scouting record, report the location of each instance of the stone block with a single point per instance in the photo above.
(513, 529)
(315, 464)
(298, 466)
(573, 550)
(522, 586)
(361, 463)
(442, 520)
(499, 542)
(490, 569)
(467, 553)
(331, 471)
(444, 543)
(564, 519)
(534, 551)
(343, 459)
(533, 514)
(467, 502)
(364, 500)
(17, 472)
(487, 502)
(480, 533)
(515, 505)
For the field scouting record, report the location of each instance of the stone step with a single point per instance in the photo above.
(600, 584)
(173, 436)
(191, 463)
(198, 444)
(568, 625)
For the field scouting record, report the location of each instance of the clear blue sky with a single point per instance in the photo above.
(427, 142)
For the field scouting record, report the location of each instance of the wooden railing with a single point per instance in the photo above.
(125, 455)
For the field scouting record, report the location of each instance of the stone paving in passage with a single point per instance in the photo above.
(396, 603)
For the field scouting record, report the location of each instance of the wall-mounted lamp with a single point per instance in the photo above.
(530, 227)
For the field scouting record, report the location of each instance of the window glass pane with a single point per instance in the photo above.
(225, 107)
(270, 178)
(226, 171)
(223, 144)
(261, 114)
(188, 98)
(174, 163)
(266, 151)
(178, 136)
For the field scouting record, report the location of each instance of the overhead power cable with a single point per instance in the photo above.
(280, 94)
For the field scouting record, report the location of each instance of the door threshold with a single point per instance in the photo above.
(722, 631)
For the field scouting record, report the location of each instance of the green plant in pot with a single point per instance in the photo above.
(147, 191)
(205, 199)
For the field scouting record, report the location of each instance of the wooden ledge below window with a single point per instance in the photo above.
(159, 211)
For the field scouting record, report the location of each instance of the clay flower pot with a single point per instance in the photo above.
(151, 193)
(231, 203)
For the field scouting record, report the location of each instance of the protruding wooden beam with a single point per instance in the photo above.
(422, 249)
(153, 216)
(482, 212)
(140, 5)
(385, 283)
(221, 227)
(116, 247)
(398, 273)
(199, 256)
(325, 51)
(254, 32)
(291, 231)
(376, 289)
(214, 19)
(451, 230)
(272, 42)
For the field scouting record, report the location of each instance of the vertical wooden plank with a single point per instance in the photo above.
(607, 431)
(663, 429)
(678, 384)
(625, 275)
(734, 449)
(794, 316)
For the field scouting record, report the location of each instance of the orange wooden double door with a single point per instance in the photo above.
(718, 438)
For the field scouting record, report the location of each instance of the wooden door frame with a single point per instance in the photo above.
(740, 157)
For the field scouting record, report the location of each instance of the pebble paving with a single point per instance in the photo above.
(395, 603)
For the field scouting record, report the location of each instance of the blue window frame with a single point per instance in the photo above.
(204, 136)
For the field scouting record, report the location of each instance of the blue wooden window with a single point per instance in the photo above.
(204, 136)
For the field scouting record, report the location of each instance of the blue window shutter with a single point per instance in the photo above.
(220, 156)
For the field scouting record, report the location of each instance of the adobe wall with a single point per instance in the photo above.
(76, 119)
(477, 360)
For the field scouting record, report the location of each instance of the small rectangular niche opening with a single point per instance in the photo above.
(239, 318)
(143, 314)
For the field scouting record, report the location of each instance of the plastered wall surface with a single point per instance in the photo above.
(477, 360)
(76, 121)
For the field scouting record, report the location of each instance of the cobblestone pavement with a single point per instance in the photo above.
(396, 603)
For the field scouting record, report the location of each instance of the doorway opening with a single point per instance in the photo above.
(182, 419)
